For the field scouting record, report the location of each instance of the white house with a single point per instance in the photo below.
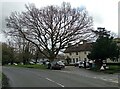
(78, 52)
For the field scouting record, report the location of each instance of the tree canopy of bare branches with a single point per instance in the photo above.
(50, 28)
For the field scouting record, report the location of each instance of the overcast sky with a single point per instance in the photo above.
(104, 12)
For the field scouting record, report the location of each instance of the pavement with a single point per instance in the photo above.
(68, 77)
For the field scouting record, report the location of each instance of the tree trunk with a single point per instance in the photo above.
(51, 59)
(24, 61)
(99, 63)
(36, 58)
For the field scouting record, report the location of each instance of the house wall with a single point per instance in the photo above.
(110, 61)
(80, 57)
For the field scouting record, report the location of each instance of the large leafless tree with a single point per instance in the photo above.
(50, 28)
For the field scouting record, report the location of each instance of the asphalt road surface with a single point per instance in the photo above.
(26, 77)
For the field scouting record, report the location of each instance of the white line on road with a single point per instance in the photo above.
(55, 82)
(104, 79)
(94, 77)
(115, 81)
(110, 80)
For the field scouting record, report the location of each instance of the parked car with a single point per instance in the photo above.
(31, 63)
(56, 65)
(82, 65)
(39, 63)
(61, 64)
(15, 63)
(77, 63)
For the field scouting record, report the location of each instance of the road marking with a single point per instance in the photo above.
(55, 82)
(110, 80)
(94, 77)
(103, 78)
(115, 81)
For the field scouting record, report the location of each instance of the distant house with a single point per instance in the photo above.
(78, 52)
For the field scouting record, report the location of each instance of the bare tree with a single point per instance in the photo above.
(51, 28)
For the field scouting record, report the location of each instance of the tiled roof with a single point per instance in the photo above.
(79, 48)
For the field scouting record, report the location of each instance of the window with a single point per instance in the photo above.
(85, 52)
(73, 60)
(70, 53)
(76, 53)
(76, 59)
(70, 61)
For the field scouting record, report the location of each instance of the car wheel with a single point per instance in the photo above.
(60, 68)
(51, 67)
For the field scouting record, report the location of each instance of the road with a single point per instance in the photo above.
(0, 76)
(26, 77)
(92, 74)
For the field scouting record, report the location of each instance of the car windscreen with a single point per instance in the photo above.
(60, 63)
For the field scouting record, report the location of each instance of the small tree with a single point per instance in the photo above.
(7, 54)
(103, 48)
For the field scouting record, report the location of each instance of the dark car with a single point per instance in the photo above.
(56, 65)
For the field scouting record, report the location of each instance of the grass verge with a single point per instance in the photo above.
(5, 81)
(112, 69)
(35, 66)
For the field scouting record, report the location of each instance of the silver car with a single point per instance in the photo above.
(57, 65)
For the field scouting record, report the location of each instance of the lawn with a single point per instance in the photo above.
(113, 69)
(36, 66)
